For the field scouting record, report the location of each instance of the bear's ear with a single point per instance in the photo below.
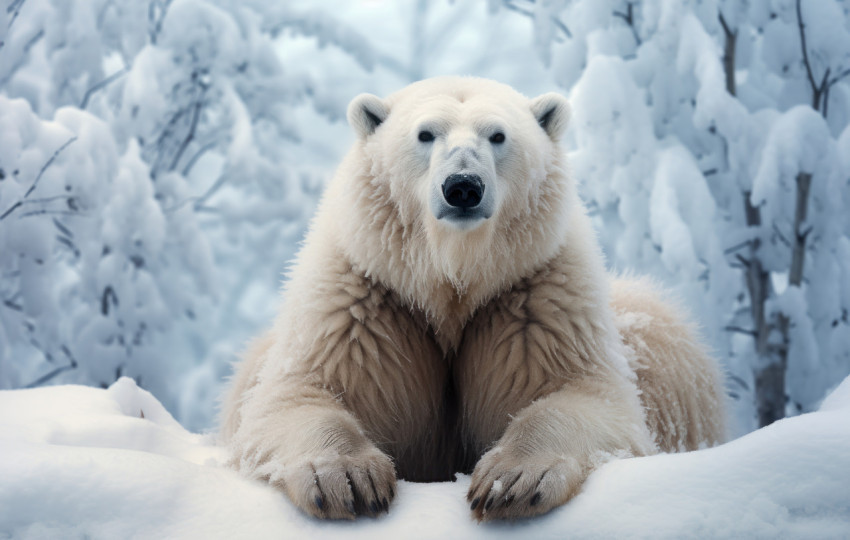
(365, 114)
(552, 113)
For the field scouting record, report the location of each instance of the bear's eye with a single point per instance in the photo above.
(426, 136)
(497, 138)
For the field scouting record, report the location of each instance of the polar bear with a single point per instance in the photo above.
(450, 312)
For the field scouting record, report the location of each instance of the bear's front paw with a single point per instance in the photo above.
(506, 485)
(340, 486)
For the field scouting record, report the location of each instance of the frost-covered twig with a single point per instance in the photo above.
(108, 294)
(781, 236)
(46, 211)
(840, 76)
(820, 91)
(155, 18)
(48, 199)
(58, 371)
(816, 89)
(200, 201)
(561, 26)
(22, 58)
(196, 156)
(740, 330)
(102, 84)
(736, 247)
(196, 113)
(37, 178)
(12, 305)
(326, 30)
(730, 41)
(15, 9)
(629, 17)
(529, 13)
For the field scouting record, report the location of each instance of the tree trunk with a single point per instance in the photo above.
(798, 253)
(729, 55)
(770, 389)
(770, 379)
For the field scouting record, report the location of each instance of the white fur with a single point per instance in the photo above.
(410, 344)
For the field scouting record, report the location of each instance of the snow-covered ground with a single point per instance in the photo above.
(80, 462)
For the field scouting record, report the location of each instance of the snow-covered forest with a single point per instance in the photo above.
(160, 161)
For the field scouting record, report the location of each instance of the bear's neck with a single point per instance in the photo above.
(449, 279)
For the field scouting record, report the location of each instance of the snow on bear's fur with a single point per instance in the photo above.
(450, 312)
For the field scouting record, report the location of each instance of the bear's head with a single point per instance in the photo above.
(472, 170)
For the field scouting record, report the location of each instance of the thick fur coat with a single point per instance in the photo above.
(423, 335)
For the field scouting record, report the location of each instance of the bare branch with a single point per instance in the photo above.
(12, 305)
(730, 42)
(806, 62)
(838, 77)
(47, 211)
(15, 6)
(528, 13)
(736, 247)
(15, 9)
(513, 7)
(725, 26)
(629, 18)
(742, 260)
(817, 89)
(72, 364)
(739, 381)
(739, 330)
(563, 27)
(826, 100)
(155, 19)
(201, 201)
(194, 159)
(108, 294)
(22, 58)
(45, 378)
(48, 199)
(48, 164)
(780, 235)
(196, 113)
(37, 178)
(102, 84)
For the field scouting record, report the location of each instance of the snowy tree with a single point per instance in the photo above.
(699, 164)
(159, 161)
(165, 177)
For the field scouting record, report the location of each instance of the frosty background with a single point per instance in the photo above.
(161, 159)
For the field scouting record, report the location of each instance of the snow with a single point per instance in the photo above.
(84, 462)
(174, 152)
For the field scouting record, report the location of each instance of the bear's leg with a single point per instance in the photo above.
(550, 447)
(347, 378)
(681, 385)
(297, 436)
(546, 391)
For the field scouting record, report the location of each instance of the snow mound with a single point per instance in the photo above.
(83, 462)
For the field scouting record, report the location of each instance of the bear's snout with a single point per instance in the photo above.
(463, 190)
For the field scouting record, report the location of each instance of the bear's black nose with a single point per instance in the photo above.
(463, 190)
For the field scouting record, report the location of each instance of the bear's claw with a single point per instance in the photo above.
(341, 487)
(513, 487)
